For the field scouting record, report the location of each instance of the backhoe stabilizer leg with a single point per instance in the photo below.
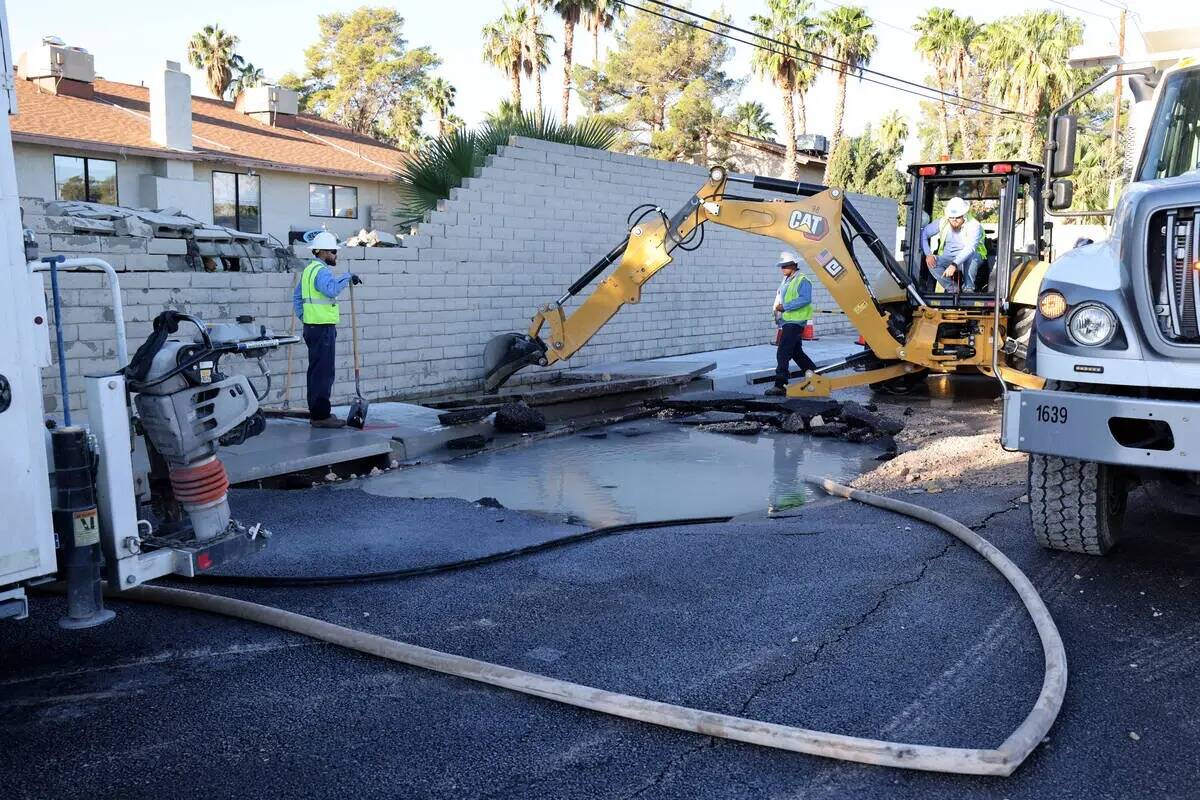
(825, 385)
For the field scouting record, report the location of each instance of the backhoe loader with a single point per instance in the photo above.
(911, 326)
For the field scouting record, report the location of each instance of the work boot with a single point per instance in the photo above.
(328, 422)
(776, 391)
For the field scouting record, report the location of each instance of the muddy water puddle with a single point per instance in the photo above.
(638, 472)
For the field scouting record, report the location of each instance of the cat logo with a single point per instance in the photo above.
(813, 226)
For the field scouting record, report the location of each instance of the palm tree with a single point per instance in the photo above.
(603, 14)
(893, 133)
(212, 50)
(1026, 57)
(248, 77)
(787, 23)
(439, 93)
(535, 50)
(752, 119)
(934, 44)
(945, 41)
(849, 44)
(502, 47)
(572, 13)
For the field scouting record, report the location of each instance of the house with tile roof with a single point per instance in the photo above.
(256, 164)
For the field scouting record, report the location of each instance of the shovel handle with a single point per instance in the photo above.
(354, 336)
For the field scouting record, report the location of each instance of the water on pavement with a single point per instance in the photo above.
(639, 472)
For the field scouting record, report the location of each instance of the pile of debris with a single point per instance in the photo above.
(747, 414)
(148, 240)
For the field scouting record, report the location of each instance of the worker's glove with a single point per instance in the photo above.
(354, 279)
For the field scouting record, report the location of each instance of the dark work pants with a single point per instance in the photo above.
(322, 346)
(791, 348)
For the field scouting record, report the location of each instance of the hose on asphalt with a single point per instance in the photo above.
(283, 581)
(1002, 760)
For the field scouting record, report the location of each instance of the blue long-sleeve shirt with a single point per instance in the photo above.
(959, 244)
(326, 283)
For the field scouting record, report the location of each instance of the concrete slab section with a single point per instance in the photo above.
(659, 367)
(294, 446)
(414, 430)
(742, 365)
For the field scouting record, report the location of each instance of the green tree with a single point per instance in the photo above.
(439, 94)
(787, 22)
(603, 16)
(697, 130)
(751, 119)
(362, 74)
(535, 52)
(572, 13)
(849, 43)
(653, 62)
(212, 50)
(248, 77)
(504, 47)
(934, 45)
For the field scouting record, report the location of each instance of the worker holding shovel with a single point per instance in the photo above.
(315, 300)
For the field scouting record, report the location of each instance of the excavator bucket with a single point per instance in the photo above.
(508, 353)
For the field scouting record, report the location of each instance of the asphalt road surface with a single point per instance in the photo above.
(847, 619)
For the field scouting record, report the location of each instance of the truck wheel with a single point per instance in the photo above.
(1075, 505)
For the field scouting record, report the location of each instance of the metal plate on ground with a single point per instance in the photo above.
(294, 446)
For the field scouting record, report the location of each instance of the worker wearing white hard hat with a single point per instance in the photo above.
(793, 310)
(315, 301)
(960, 250)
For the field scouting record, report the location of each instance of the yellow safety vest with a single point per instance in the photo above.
(802, 314)
(318, 309)
(980, 248)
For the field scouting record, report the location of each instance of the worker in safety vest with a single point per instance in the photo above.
(793, 308)
(961, 248)
(315, 300)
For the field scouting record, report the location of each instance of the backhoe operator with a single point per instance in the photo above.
(315, 301)
(960, 246)
(793, 309)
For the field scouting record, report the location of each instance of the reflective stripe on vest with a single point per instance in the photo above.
(802, 314)
(318, 309)
(980, 248)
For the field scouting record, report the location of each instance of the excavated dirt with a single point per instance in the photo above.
(946, 447)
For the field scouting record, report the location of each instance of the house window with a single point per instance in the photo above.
(328, 200)
(93, 180)
(236, 202)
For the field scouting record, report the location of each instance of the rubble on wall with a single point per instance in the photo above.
(144, 240)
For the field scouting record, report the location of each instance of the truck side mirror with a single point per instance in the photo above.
(1062, 194)
(1063, 163)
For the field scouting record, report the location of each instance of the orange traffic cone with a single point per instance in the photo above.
(862, 341)
(810, 332)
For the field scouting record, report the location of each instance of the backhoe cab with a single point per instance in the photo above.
(910, 329)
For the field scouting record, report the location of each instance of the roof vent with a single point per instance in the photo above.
(59, 69)
(270, 105)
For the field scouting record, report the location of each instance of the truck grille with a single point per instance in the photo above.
(1173, 257)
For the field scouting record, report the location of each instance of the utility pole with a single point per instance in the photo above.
(1116, 124)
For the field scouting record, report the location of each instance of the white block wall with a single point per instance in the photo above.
(510, 240)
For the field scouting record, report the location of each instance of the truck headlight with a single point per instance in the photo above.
(1092, 325)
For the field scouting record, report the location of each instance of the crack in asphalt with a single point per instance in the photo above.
(845, 631)
(1013, 505)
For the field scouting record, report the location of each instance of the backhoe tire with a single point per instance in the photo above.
(1076, 506)
(902, 385)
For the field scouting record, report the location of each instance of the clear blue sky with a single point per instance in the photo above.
(131, 38)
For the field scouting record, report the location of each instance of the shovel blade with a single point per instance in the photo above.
(357, 418)
(508, 353)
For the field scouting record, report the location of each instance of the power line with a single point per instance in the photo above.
(885, 23)
(1081, 10)
(820, 61)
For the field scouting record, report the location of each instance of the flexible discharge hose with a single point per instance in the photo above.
(1002, 760)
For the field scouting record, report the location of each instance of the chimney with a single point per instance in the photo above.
(171, 108)
(270, 105)
(59, 69)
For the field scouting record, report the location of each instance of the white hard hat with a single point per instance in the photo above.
(957, 207)
(786, 259)
(324, 241)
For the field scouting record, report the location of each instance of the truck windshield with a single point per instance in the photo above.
(1173, 146)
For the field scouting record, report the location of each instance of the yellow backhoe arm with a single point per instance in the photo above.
(812, 226)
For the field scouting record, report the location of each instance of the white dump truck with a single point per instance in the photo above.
(1117, 331)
